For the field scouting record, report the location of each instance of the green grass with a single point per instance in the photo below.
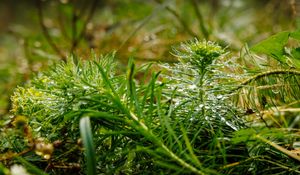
(183, 119)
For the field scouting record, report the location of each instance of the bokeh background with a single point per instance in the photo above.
(35, 34)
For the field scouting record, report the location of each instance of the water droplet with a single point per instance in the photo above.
(180, 90)
(85, 87)
(231, 125)
(38, 129)
(222, 119)
(47, 156)
(220, 97)
(275, 91)
(192, 87)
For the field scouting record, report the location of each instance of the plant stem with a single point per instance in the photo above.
(46, 32)
(267, 73)
(74, 27)
(148, 134)
(180, 161)
(180, 20)
(201, 90)
(279, 148)
(83, 30)
(140, 126)
(200, 19)
(280, 165)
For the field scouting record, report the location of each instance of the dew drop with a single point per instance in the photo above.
(231, 125)
(47, 156)
(275, 91)
(192, 87)
(220, 97)
(85, 87)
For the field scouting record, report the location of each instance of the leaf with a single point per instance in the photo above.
(294, 56)
(296, 53)
(295, 35)
(243, 135)
(87, 138)
(273, 46)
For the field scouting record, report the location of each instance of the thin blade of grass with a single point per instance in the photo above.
(190, 148)
(87, 138)
(132, 87)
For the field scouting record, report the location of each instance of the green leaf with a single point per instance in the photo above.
(295, 35)
(87, 138)
(296, 53)
(295, 56)
(273, 46)
(243, 135)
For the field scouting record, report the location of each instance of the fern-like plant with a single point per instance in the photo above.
(180, 120)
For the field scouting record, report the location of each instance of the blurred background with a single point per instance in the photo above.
(36, 33)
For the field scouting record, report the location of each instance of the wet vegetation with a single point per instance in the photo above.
(150, 87)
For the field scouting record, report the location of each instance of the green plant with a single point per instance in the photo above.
(274, 86)
(182, 119)
(277, 47)
(87, 137)
(270, 95)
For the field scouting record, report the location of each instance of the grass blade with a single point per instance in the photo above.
(87, 138)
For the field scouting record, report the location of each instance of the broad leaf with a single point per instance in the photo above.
(295, 35)
(296, 53)
(273, 46)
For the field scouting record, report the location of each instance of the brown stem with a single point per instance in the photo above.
(46, 32)
(8, 156)
(267, 73)
(74, 28)
(200, 19)
(62, 25)
(179, 19)
(89, 17)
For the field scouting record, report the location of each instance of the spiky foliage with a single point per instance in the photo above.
(181, 120)
(200, 106)
(269, 92)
